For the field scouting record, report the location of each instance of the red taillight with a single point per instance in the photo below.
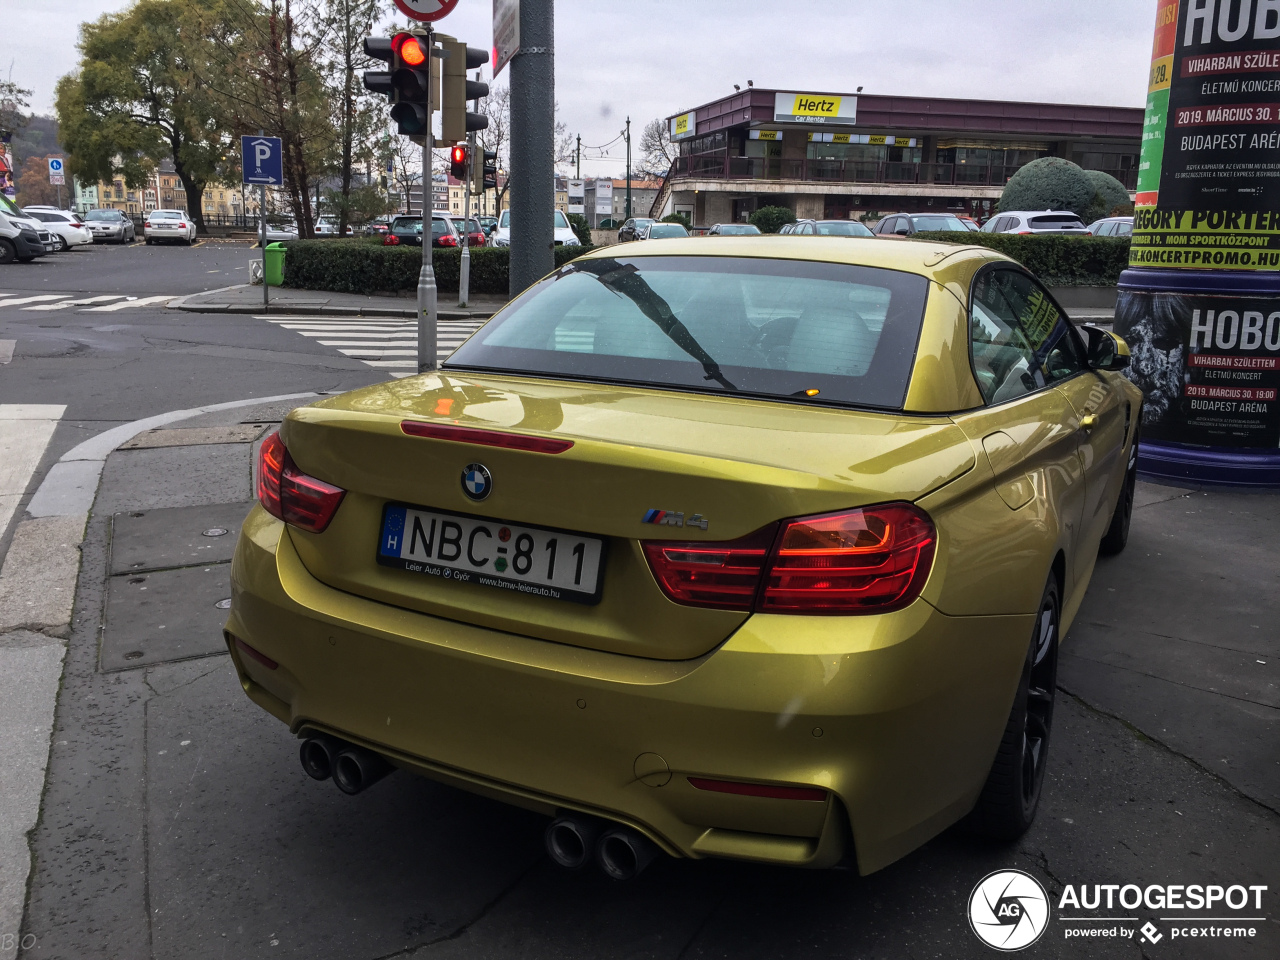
(391, 240)
(448, 241)
(759, 789)
(873, 559)
(290, 495)
(487, 438)
(869, 560)
(724, 574)
(147, 225)
(182, 226)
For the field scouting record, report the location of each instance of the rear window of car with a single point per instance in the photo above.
(1056, 220)
(165, 215)
(406, 224)
(786, 329)
(938, 223)
(842, 228)
(739, 230)
(102, 215)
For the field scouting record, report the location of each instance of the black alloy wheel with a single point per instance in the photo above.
(1007, 805)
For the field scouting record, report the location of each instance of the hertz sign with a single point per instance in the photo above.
(814, 108)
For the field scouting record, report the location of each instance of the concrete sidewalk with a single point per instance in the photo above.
(247, 298)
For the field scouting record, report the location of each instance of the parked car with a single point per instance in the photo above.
(65, 227)
(970, 223)
(563, 235)
(476, 236)
(169, 225)
(787, 228)
(734, 230)
(285, 230)
(906, 224)
(1036, 221)
(328, 227)
(663, 231)
(1112, 227)
(404, 230)
(376, 228)
(488, 224)
(110, 226)
(830, 228)
(631, 229)
(20, 237)
(712, 488)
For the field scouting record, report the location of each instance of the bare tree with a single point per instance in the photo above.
(497, 136)
(347, 22)
(656, 149)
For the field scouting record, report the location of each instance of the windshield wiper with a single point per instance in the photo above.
(625, 279)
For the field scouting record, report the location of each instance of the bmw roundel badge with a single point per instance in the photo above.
(477, 482)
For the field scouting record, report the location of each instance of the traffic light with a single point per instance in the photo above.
(488, 170)
(458, 162)
(456, 90)
(408, 83)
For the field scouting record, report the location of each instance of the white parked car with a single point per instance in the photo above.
(1037, 221)
(65, 226)
(281, 231)
(564, 235)
(327, 227)
(169, 225)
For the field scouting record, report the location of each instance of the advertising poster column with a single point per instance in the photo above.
(1200, 303)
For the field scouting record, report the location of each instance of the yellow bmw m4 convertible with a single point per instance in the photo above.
(750, 548)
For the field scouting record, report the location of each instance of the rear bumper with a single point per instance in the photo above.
(897, 716)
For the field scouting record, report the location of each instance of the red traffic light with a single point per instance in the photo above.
(458, 161)
(409, 49)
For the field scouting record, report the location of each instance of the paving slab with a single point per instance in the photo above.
(164, 616)
(1180, 634)
(192, 436)
(143, 540)
(176, 477)
(38, 579)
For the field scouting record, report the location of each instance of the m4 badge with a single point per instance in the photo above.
(674, 518)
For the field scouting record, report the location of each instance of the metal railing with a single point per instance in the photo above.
(721, 166)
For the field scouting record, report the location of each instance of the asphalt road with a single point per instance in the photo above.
(134, 269)
(176, 821)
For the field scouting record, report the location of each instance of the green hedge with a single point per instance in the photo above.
(356, 266)
(1058, 261)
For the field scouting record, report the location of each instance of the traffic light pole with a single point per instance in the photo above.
(533, 124)
(427, 307)
(464, 272)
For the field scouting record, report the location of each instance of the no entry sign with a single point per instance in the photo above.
(426, 9)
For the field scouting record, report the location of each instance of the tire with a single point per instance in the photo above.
(147, 241)
(1008, 802)
(1117, 535)
(63, 246)
(7, 252)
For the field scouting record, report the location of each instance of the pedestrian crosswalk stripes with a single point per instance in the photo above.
(385, 343)
(103, 303)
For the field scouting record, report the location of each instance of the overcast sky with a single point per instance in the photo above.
(616, 58)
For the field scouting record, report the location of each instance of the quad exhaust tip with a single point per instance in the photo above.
(573, 841)
(354, 769)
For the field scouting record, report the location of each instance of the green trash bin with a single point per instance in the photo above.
(275, 264)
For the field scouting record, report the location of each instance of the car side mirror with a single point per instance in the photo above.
(1106, 350)
(902, 231)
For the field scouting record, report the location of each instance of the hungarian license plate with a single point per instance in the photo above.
(511, 556)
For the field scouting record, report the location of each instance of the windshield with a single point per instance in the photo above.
(561, 222)
(775, 328)
(938, 223)
(659, 230)
(102, 215)
(842, 228)
(8, 207)
(738, 230)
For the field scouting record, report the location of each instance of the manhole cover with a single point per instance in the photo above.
(216, 532)
(224, 604)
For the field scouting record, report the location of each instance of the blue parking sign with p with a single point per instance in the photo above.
(261, 161)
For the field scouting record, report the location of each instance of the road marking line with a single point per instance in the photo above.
(411, 364)
(43, 296)
(76, 303)
(142, 302)
(25, 430)
(6, 350)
